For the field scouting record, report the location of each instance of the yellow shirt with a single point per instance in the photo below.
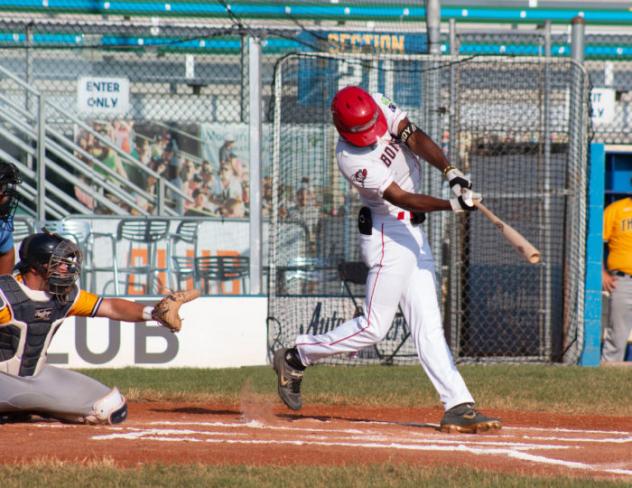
(86, 305)
(617, 232)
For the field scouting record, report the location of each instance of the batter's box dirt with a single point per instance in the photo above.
(220, 434)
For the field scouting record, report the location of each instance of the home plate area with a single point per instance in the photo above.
(267, 434)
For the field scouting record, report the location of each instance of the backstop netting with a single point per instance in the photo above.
(516, 125)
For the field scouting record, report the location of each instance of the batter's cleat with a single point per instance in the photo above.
(465, 419)
(288, 380)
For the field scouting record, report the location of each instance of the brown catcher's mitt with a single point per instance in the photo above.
(166, 310)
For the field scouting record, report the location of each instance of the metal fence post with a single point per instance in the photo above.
(29, 79)
(545, 232)
(577, 39)
(432, 109)
(243, 88)
(576, 222)
(255, 130)
(453, 143)
(450, 318)
(41, 159)
(433, 22)
(160, 197)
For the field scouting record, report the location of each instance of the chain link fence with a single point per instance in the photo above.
(608, 60)
(186, 118)
(156, 93)
(517, 125)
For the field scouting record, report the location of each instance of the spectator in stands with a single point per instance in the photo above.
(266, 197)
(209, 184)
(151, 188)
(201, 206)
(306, 212)
(143, 151)
(230, 186)
(194, 183)
(206, 167)
(233, 208)
(335, 203)
(225, 150)
(245, 194)
(160, 167)
(617, 278)
(109, 157)
(186, 172)
(85, 197)
(135, 173)
(286, 199)
(121, 134)
(235, 165)
(173, 175)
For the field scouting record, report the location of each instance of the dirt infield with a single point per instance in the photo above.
(261, 434)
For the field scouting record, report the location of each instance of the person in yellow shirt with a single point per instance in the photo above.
(34, 301)
(617, 278)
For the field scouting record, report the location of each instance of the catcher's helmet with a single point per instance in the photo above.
(357, 117)
(55, 258)
(9, 179)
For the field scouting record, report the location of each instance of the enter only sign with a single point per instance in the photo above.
(103, 95)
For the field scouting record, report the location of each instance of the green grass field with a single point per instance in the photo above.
(386, 475)
(561, 389)
(537, 388)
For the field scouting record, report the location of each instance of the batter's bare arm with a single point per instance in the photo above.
(422, 145)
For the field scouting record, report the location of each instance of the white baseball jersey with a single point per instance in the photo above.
(373, 168)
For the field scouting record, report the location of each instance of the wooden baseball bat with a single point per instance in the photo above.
(517, 240)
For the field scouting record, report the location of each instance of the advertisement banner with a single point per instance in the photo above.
(217, 332)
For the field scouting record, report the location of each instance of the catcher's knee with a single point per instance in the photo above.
(111, 409)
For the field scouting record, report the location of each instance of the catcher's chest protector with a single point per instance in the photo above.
(23, 342)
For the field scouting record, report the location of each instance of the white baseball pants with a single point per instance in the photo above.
(401, 271)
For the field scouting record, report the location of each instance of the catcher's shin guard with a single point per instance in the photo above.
(288, 380)
(111, 409)
(465, 419)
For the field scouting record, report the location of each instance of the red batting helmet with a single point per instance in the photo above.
(357, 117)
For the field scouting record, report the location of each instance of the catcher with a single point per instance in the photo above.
(33, 303)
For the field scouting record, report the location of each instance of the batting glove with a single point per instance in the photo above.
(459, 183)
(460, 204)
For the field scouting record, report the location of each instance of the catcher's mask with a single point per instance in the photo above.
(9, 179)
(56, 259)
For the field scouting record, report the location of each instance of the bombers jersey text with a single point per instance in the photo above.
(372, 169)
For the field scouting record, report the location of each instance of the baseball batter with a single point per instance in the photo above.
(33, 303)
(379, 153)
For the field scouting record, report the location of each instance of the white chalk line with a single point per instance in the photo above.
(623, 440)
(429, 447)
(385, 439)
(259, 425)
(513, 450)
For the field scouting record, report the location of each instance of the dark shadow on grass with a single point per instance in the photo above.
(196, 411)
(292, 417)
